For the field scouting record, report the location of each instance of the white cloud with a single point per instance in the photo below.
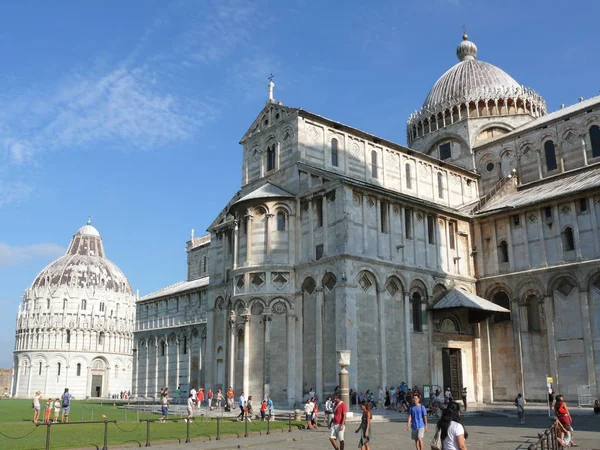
(12, 255)
(14, 192)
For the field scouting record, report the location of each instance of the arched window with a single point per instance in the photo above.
(58, 369)
(416, 312)
(595, 140)
(271, 158)
(116, 371)
(408, 176)
(78, 369)
(440, 180)
(280, 221)
(568, 240)
(83, 305)
(40, 369)
(204, 264)
(501, 299)
(533, 314)
(101, 338)
(503, 252)
(374, 164)
(162, 348)
(185, 345)
(68, 336)
(550, 152)
(240, 345)
(334, 152)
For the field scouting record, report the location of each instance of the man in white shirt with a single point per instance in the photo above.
(193, 394)
(308, 411)
(241, 404)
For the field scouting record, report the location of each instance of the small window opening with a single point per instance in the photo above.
(445, 151)
(334, 152)
(503, 252)
(319, 251)
(319, 211)
(280, 221)
(416, 312)
(374, 164)
(408, 222)
(550, 153)
(78, 369)
(440, 183)
(430, 230)
(408, 170)
(568, 239)
(452, 234)
(384, 217)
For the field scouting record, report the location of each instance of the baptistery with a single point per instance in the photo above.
(75, 325)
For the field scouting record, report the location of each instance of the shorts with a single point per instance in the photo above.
(37, 408)
(336, 433)
(308, 417)
(164, 410)
(65, 410)
(417, 434)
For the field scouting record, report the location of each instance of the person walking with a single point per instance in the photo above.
(520, 404)
(328, 411)
(452, 433)
(263, 410)
(200, 396)
(380, 397)
(270, 409)
(35, 404)
(564, 416)
(209, 399)
(448, 395)
(464, 397)
(230, 398)
(190, 408)
(338, 423)
(242, 405)
(66, 405)
(417, 421)
(219, 399)
(194, 398)
(56, 409)
(365, 426)
(249, 408)
(164, 406)
(177, 392)
(308, 411)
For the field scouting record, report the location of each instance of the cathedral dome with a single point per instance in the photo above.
(472, 88)
(84, 266)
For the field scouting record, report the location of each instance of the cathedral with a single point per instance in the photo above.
(456, 261)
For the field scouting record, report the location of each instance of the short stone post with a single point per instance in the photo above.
(344, 361)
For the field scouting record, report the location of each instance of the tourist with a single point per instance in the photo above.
(48, 411)
(365, 426)
(452, 432)
(520, 404)
(597, 407)
(190, 408)
(417, 421)
(249, 408)
(56, 409)
(200, 396)
(564, 416)
(380, 397)
(242, 405)
(263, 410)
(219, 399)
(338, 423)
(388, 399)
(464, 397)
(270, 408)
(66, 405)
(328, 411)
(393, 397)
(194, 398)
(448, 396)
(308, 410)
(36, 406)
(404, 387)
(550, 396)
(229, 399)
(563, 435)
(209, 398)
(311, 393)
(164, 406)
(315, 415)
(177, 392)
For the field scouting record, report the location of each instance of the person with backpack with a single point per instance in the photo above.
(417, 421)
(66, 405)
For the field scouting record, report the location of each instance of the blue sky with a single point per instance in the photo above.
(131, 112)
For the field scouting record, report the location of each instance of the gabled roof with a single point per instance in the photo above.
(259, 125)
(456, 298)
(543, 190)
(267, 190)
(177, 288)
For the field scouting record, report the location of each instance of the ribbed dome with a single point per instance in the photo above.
(83, 266)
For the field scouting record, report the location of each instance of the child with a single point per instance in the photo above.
(48, 411)
(57, 406)
(263, 410)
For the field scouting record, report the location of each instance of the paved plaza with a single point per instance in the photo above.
(485, 433)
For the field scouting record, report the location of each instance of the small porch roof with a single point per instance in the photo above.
(479, 308)
(267, 190)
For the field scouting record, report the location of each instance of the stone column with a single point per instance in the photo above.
(319, 300)
(189, 361)
(311, 230)
(594, 221)
(344, 358)
(382, 337)
(516, 318)
(146, 392)
(407, 330)
(268, 228)
(365, 228)
(209, 367)
(576, 235)
(549, 308)
(246, 381)
(477, 363)
(291, 344)
(136, 383)
(167, 361)
(540, 219)
(325, 213)
(46, 380)
(177, 357)
(588, 341)
(235, 244)
(29, 380)
(232, 320)
(248, 239)
(14, 388)
(156, 390)
(267, 353)
(584, 149)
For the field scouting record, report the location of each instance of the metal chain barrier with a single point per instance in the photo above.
(17, 438)
(128, 431)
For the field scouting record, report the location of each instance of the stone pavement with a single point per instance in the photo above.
(485, 433)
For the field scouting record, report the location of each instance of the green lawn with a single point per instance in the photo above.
(15, 422)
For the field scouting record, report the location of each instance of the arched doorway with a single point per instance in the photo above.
(97, 373)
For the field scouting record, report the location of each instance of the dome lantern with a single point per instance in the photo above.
(466, 50)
